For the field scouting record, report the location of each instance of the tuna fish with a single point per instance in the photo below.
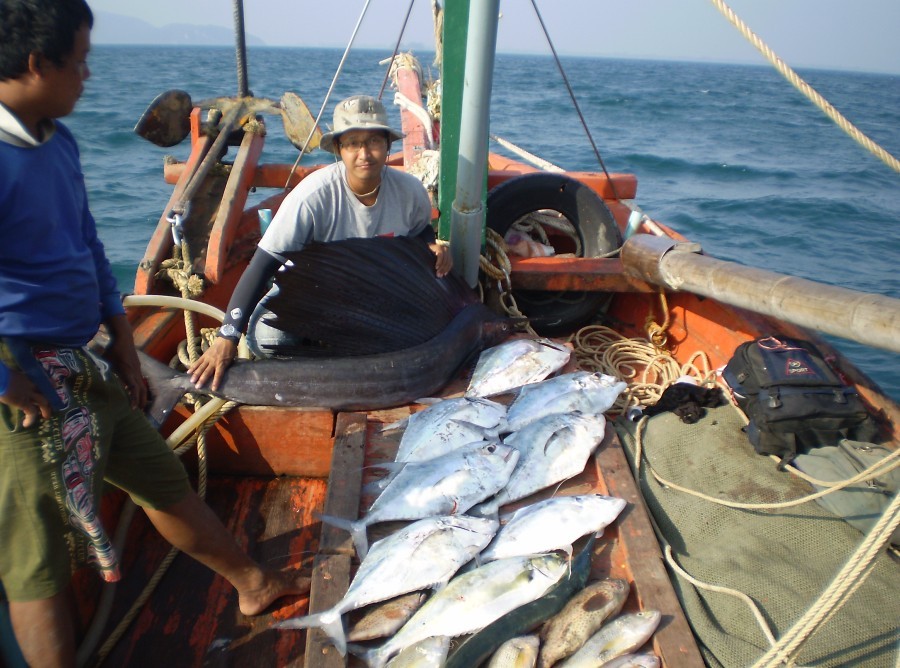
(582, 617)
(515, 363)
(553, 524)
(424, 554)
(553, 449)
(518, 652)
(582, 391)
(473, 600)
(449, 424)
(446, 485)
(620, 636)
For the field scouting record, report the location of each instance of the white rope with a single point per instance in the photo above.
(806, 89)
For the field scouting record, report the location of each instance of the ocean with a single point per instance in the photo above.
(731, 156)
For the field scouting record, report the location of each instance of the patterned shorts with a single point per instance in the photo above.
(52, 474)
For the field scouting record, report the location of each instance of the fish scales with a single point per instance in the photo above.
(423, 554)
(428, 653)
(478, 647)
(634, 661)
(583, 615)
(473, 600)
(591, 393)
(520, 652)
(553, 524)
(449, 424)
(447, 485)
(552, 449)
(623, 634)
(378, 620)
(515, 363)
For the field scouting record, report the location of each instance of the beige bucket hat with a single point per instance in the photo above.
(359, 112)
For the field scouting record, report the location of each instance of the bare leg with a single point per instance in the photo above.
(192, 527)
(45, 630)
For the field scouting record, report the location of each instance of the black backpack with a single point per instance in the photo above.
(793, 399)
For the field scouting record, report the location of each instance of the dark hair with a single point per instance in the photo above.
(47, 27)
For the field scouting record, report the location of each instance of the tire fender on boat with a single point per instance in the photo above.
(557, 313)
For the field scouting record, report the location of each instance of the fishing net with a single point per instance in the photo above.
(782, 559)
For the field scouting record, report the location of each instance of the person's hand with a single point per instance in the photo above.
(122, 354)
(443, 259)
(213, 363)
(24, 395)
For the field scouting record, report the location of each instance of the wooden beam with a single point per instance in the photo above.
(581, 274)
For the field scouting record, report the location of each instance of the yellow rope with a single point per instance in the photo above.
(806, 89)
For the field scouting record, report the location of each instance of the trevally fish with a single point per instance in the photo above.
(581, 391)
(423, 554)
(553, 449)
(378, 620)
(446, 485)
(473, 600)
(449, 424)
(520, 652)
(428, 653)
(363, 382)
(634, 661)
(622, 635)
(478, 647)
(580, 618)
(515, 363)
(553, 524)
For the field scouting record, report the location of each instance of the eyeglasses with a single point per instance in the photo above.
(373, 143)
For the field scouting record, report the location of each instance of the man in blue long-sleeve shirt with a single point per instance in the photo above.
(68, 419)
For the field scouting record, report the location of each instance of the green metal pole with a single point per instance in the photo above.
(453, 67)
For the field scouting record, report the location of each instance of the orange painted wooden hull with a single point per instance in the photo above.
(272, 469)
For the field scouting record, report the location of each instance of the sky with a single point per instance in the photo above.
(826, 34)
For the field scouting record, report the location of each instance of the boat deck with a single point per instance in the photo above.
(273, 517)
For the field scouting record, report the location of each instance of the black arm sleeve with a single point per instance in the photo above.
(427, 235)
(250, 289)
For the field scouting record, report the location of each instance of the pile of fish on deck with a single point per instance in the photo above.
(494, 585)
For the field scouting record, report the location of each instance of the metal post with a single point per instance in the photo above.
(467, 218)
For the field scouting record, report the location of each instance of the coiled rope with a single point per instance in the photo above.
(811, 94)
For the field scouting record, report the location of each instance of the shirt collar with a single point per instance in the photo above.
(12, 131)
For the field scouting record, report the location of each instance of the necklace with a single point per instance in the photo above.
(368, 194)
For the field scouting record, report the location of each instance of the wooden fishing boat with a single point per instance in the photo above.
(267, 471)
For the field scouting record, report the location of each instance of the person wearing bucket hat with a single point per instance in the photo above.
(357, 196)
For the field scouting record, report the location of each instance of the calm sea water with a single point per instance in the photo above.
(731, 156)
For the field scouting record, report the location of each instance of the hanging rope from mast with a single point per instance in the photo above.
(811, 94)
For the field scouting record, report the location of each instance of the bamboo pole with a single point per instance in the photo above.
(867, 318)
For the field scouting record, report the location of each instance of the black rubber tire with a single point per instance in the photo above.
(557, 313)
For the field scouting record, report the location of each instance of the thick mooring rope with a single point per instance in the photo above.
(811, 94)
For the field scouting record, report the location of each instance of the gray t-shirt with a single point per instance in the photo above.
(323, 208)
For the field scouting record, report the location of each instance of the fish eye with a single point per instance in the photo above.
(491, 448)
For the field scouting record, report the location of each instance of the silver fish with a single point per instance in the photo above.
(567, 631)
(449, 424)
(428, 653)
(634, 661)
(553, 524)
(581, 391)
(379, 620)
(622, 635)
(516, 363)
(553, 449)
(424, 554)
(521, 652)
(473, 600)
(446, 485)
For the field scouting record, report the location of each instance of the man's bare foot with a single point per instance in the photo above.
(275, 584)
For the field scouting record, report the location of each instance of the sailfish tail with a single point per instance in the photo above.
(167, 386)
